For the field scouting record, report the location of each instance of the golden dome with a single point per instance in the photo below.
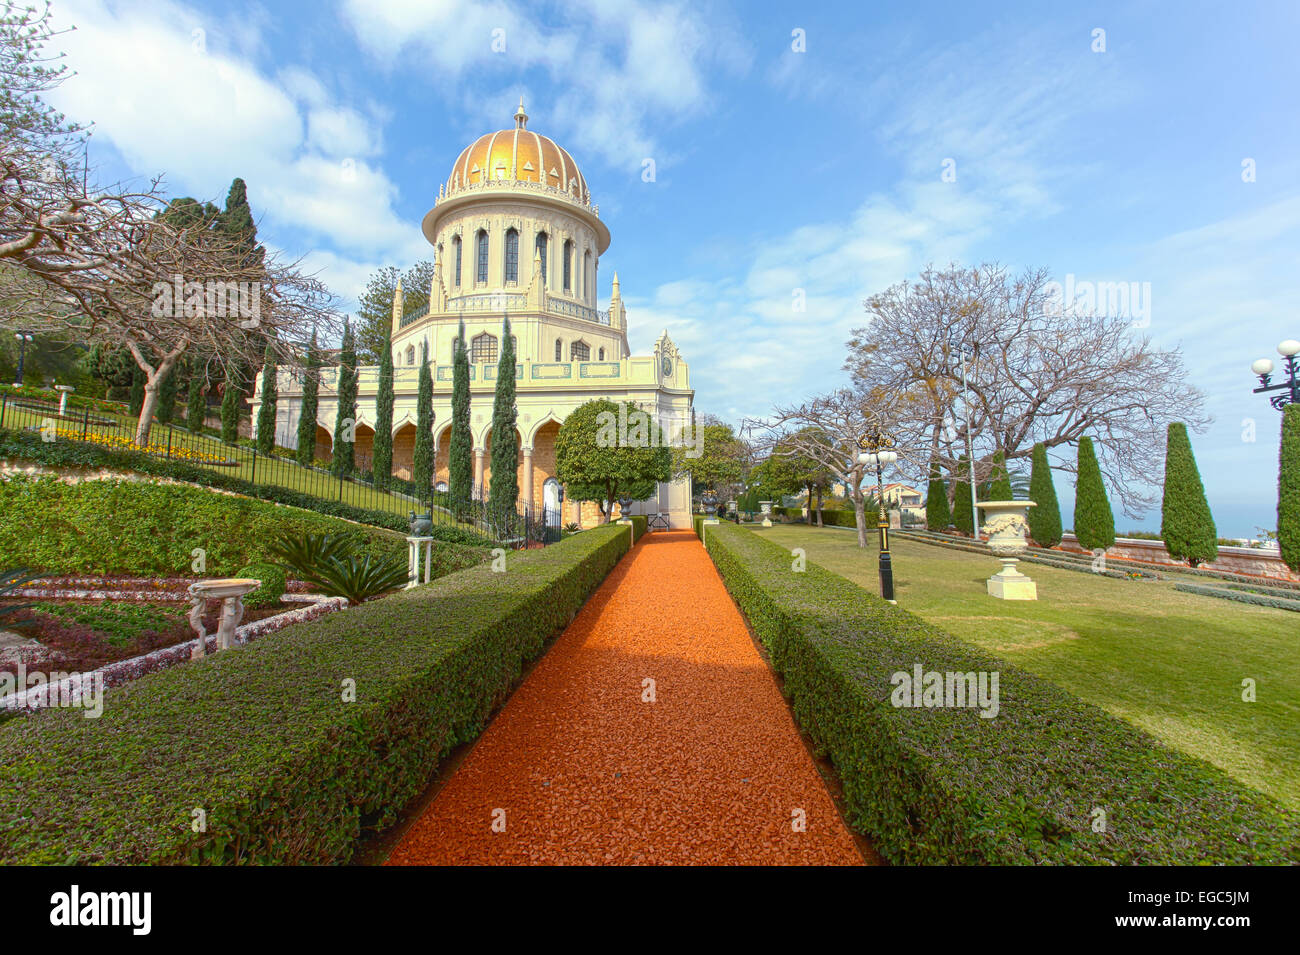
(517, 155)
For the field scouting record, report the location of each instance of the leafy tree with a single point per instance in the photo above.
(167, 397)
(266, 413)
(230, 402)
(596, 464)
(375, 314)
(1186, 524)
(345, 419)
(937, 515)
(422, 464)
(999, 488)
(236, 222)
(504, 492)
(136, 400)
(1094, 524)
(721, 455)
(1045, 518)
(382, 461)
(963, 517)
(460, 456)
(375, 309)
(306, 450)
(1288, 487)
(196, 407)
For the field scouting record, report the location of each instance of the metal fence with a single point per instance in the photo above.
(520, 525)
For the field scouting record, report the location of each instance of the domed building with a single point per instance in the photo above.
(514, 232)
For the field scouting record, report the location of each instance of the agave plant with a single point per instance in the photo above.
(11, 581)
(358, 578)
(303, 555)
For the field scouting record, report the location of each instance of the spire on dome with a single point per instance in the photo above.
(521, 118)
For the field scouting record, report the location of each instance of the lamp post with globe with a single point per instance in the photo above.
(1290, 388)
(876, 452)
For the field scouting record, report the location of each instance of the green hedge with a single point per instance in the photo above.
(946, 786)
(261, 739)
(697, 521)
(640, 524)
(149, 529)
(1241, 596)
(23, 446)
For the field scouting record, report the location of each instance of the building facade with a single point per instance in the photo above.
(514, 233)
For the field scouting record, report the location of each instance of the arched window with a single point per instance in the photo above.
(579, 351)
(541, 249)
(600, 355)
(481, 275)
(410, 354)
(483, 348)
(455, 246)
(512, 255)
(568, 265)
(559, 350)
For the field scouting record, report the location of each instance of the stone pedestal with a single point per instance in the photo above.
(1010, 584)
(1006, 523)
(63, 398)
(415, 546)
(230, 591)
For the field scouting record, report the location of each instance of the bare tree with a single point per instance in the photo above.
(828, 430)
(1037, 369)
(106, 265)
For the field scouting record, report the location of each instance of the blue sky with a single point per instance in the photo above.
(774, 169)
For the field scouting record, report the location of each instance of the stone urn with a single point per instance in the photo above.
(422, 524)
(766, 508)
(1007, 524)
(710, 507)
(624, 505)
(230, 591)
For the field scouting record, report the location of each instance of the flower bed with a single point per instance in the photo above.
(124, 671)
(125, 443)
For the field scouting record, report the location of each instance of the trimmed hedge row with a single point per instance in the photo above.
(151, 530)
(262, 739)
(1241, 596)
(23, 446)
(944, 785)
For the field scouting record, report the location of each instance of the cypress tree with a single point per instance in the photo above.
(1045, 519)
(136, 399)
(345, 418)
(937, 515)
(999, 487)
(306, 450)
(1288, 487)
(1186, 523)
(382, 465)
(1094, 524)
(230, 410)
(422, 464)
(963, 517)
(266, 413)
(196, 408)
(504, 493)
(166, 408)
(460, 463)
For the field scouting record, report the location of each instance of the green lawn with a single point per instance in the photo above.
(1169, 662)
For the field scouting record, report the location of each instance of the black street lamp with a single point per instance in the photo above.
(24, 339)
(876, 453)
(1288, 349)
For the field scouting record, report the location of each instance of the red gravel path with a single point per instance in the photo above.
(586, 772)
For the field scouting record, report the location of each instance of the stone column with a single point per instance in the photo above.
(526, 485)
(478, 468)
